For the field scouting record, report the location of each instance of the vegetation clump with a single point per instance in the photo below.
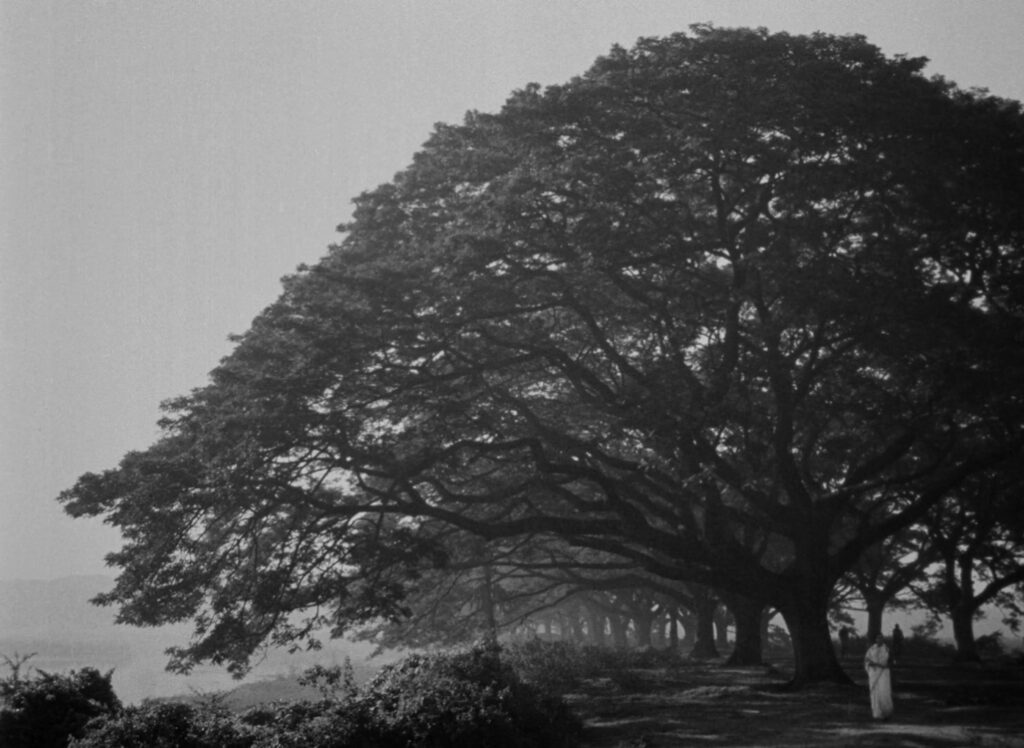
(461, 699)
(45, 709)
(166, 725)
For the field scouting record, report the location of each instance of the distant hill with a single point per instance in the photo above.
(55, 620)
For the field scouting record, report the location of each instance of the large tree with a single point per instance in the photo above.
(732, 306)
(977, 537)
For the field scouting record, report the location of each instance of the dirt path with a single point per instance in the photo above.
(709, 704)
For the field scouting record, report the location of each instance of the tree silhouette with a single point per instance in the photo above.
(731, 306)
(978, 538)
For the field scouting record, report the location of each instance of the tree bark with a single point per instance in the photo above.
(814, 657)
(673, 630)
(689, 622)
(619, 636)
(722, 615)
(962, 617)
(576, 626)
(487, 602)
(563, 627)
(876, 608)
(704, 648)
(766, 617)
(747, 614)
(595, 628)
(643, 623)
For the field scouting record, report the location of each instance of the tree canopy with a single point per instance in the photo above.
(731, 306)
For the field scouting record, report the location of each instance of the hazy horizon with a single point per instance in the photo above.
(68, 633)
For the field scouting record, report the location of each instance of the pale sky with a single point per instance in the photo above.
(163, 164)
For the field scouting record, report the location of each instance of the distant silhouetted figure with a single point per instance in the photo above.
(844, 641)
(876, 663)
(897, 643)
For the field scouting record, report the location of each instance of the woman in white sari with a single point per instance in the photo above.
(876, 662)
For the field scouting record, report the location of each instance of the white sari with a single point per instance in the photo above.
(876, 663)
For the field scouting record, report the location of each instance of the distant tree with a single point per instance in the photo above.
(978, 536)
(15, 678)
(482, 591)
(723, 284)
(885, 573)
(703, 602)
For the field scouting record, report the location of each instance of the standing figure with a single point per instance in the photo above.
(897, 643)
(844, 641)
(876, 663)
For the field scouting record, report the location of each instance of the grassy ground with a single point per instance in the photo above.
(707, 704)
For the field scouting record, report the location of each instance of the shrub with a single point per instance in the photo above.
(990, 646)
(465, 700)
(165, 725)
(46, 710)
(551, 667)
(305, 724)
(923, 646)
(461, 700)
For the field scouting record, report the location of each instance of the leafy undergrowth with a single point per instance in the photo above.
(708, 704)
(442, 700)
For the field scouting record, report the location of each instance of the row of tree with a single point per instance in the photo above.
(961, 571)
(732, 310)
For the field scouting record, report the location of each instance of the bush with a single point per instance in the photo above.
(46, 710)
(165, 725)
(552, 667)
(467, 699)
(461, 700)
(924, 646)
(990, 646)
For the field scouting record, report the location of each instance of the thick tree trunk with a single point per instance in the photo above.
(704, 648)
(814, 657)
(876, 607)
(658, 632)
(595, 628)
(576, 627)
(722, 620)
(962, 617)
(766, 618)
(747, 614)
(487, 603)
(643, 625)
(689, 631)
(618, 627)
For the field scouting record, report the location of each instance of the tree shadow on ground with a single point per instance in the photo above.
(709, 704)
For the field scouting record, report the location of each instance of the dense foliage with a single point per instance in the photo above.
(470, 699)
(45, 709)
(731, 307)
(461, 700)
(165, 725)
